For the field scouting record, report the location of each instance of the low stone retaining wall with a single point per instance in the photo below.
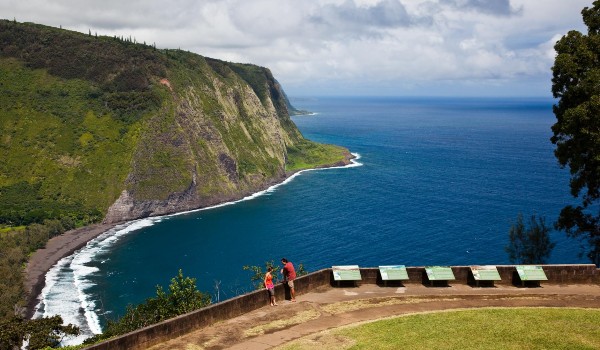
(172, 328)
(557, 274)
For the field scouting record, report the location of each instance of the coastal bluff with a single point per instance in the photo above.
(108, 129)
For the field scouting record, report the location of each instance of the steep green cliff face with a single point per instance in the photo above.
(99, 127)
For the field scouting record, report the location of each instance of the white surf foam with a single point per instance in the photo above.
(67, 282)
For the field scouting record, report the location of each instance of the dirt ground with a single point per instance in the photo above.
(329, 308)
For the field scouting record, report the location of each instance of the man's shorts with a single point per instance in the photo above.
(291, 284)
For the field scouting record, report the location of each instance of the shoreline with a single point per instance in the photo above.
(42, 260)
(59, 247)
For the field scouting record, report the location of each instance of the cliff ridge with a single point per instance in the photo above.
(106, 129)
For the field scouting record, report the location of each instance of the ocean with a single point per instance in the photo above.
(438, 181)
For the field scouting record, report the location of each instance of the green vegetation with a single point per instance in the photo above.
(519, 328)
(41, 333)
(84, 118)
(56, 145)
(182, 297)
(15, 247)
(257, 276)
(59, 140)
(307, 155)
(529, 245)
(260, 80)
(575, 82)
(114, 64)
(16, 244)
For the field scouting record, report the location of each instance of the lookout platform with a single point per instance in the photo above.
(248, 322)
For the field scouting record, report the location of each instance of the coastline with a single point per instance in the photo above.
(42, 260)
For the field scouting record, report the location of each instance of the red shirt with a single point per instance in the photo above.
(269, 281)
(288, 272)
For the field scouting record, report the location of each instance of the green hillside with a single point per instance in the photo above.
(88, 121)
(57, 143)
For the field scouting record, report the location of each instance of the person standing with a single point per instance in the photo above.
(289, 275)
(270, 286)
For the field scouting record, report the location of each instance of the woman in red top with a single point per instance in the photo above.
(270, 286)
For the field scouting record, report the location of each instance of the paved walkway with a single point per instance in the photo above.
(330, 308)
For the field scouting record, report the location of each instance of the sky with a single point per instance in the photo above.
(345, 47)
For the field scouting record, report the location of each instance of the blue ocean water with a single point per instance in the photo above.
(441, 182)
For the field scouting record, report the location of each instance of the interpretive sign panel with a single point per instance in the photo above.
(485, 273)
(531, 273)
(439, 273)
(393, 272)
(346, 273)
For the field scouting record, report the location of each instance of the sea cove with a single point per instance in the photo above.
(441, 181)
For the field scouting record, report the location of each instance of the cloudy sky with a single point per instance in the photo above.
(345, 47)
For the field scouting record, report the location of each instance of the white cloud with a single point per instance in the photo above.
(345, 46)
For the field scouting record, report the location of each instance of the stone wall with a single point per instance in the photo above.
(557, 274)
(322, 280)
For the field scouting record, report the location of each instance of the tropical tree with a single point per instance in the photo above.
(46, 332)
(529, 245)
(258, 274)
(576, 83)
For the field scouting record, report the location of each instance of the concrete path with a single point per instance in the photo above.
(330, 308)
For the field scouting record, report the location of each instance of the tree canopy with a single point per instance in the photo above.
(576, 83)
(40, 333)
(529, 245)
(182, 297)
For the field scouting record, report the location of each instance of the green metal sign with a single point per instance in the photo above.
(531, 273)
(485, 273)
(346, 273)
(393, 272)
(439, 273)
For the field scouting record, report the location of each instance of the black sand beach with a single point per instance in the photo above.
(57, 248)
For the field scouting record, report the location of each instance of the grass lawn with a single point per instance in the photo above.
(493, 328)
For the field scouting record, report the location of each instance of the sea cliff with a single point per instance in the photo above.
(107, 129)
